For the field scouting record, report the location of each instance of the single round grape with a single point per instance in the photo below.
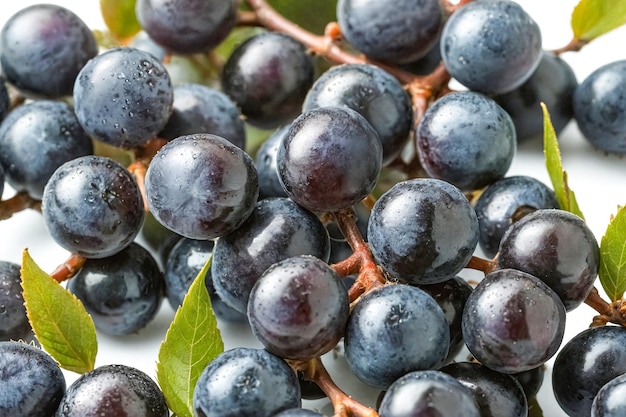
(584, 364)
(268, 75)
(513, 321)
(276, 230)
(198, 108)
(113, 390)
(122, 293)
(123, 97)
(599, 107)
(491, 46)
(506, 201)
(245, 382)
(531, 380)
(553, 82)
(426, 64)
(402, 33)
(496, 394)
(610, 401)
(393, 330)
(330, 159)
(428, 393)
(35, 139)
(92, 206)
(201, 186)
(44, 46)
(32, 382)
(465, 138)
(423, 231)
(14, 324)
(374, 94)
(557, 247)
(187, 26)
(267, 167)
(298, 309)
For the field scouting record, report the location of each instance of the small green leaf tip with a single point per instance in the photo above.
(592, 18)
(120, 18)
(612, 272)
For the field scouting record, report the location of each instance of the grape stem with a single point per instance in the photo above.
(574, 45)
(614, 312)
(139, 167)
(20, 201)
(69, 268)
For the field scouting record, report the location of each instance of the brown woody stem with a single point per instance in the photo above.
(20, 201)
(480, 264)
(574, 45)
(69, 268)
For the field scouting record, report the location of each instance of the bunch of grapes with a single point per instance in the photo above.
(323, 186)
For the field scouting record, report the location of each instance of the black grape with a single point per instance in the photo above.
(113, 390)
(392, 330)
(14, 323)
(187, 26)
(465, 138)
(245, 382)
(123, 292)
(298, 309)
(423, 231)
(402, 33)
(330, 159)
(123, 97)
(374, 94)
(201, 186)
(5, 99)
(32, 382)
(610, 401)
(268, 76)
(491, 46)
(266, 165)
(513, 321)
(276, 230)
(92, 206)
(35, 139)
(44, 46)
(198, 108)
(531, 380)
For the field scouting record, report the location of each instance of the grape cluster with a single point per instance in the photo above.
(338, 205)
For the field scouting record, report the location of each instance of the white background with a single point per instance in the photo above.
(599, 181)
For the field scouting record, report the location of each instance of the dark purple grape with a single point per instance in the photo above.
(330, 159)
(187, 26)
(268, 76)
(491, 46)
(496, 394)
(402, 33)
(14, 323)
(506, 201)
(123, 97)
(266, 165)
(32, 382)
(465, 138)
(44, 46)
(276, 230)
(423, 231)
(428, 393)
(610, 401)
(201, 186)
(426, 64)
(600, 109)
(92, 206)
(531, 380)
(393, 330)
(5, 99)
(245, 382)
(374, 94)
(121, 293)
(553, 82)
(298, 309)
(513, 321)
(35, 139)
(113, 390)
(586, 362)
(198, 108)
(557, 247)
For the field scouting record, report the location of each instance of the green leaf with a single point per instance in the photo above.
(59, 320)
(192, 341)
(612, 270)
(592, 18)
(311, 15)
(533, 408)
(120, 18)
(564, 195)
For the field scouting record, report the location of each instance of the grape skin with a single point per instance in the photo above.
(14, 324)
(610, 400)
(201, 186)
(267, 167)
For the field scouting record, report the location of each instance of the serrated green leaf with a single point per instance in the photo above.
(564, 195)
(192, 341)
(119, 16)
(612, 272)
(592, 18)
(61, 324)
